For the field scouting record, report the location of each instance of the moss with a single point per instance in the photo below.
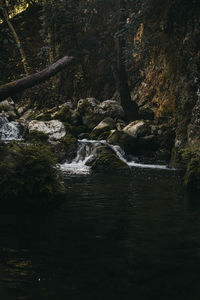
(36, 136)
(104, 135)
(65, 148)
(192, 175)
(44, 116)
(63, 114)
(181, 157)
(76, 130)
(190, 161)
(28, 174)
(108, 162)
(97, 135)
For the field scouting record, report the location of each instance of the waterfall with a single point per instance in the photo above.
(87, 150)
(9, 130)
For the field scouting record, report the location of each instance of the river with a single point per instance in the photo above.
(128, 236)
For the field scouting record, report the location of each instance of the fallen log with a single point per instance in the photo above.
(14, 87)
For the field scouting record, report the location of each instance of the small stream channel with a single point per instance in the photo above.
(88, 149)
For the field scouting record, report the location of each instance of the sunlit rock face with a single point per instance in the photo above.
(54, 128)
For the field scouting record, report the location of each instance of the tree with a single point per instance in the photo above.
(119, 70)
(5, 14)
(17, 86)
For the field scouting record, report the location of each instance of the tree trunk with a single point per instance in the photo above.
(16, 38)
(120, 74)
(14, 87)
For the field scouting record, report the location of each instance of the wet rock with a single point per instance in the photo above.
(106, 162)
(126, 141)
(54, 128)
(65, 148)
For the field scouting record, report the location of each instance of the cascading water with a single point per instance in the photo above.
(9, 130)
(87, 150)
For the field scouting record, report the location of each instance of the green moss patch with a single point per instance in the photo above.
(28, 174)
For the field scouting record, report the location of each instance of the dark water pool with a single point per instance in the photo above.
(117, 237)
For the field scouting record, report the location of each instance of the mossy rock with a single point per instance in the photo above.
(65, 148)
(28, 176)
(63, 114)
(190, 161)
(35, 136)
(192, 175)
(77, 130)
(109, 162)
(44, 117)
(104, 135)
(67, 114)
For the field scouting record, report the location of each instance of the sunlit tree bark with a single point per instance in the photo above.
(15, 35)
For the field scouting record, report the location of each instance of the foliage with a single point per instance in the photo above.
(30, 174)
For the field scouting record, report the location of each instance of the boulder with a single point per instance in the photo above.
(7, 106)
(126, 141)
(54, 128)
(104, 126)
(107, 161)
(65, 113)
(65, 148)
(93, 112)
(133, 127)
(112, 108)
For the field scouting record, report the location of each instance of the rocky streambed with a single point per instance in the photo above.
(91, 135)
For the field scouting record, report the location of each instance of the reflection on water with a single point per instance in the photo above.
(117, 237)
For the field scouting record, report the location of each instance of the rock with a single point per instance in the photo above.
(106, 162)
(7, 106)
(54, 128)
(133, 127)
(46, 115)
(147, 144)
(67, 114)
(112, 108)
(105, 125)
(120, 124)
(93, 112)
(65, 148)
(126, 141)
(28, 115)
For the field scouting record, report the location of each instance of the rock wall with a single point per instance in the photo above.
(169, 68)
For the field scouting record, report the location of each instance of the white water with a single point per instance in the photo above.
(9, 130)
(87, 150)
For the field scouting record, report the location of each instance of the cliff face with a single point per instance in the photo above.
(169, 70)
(164, 76)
